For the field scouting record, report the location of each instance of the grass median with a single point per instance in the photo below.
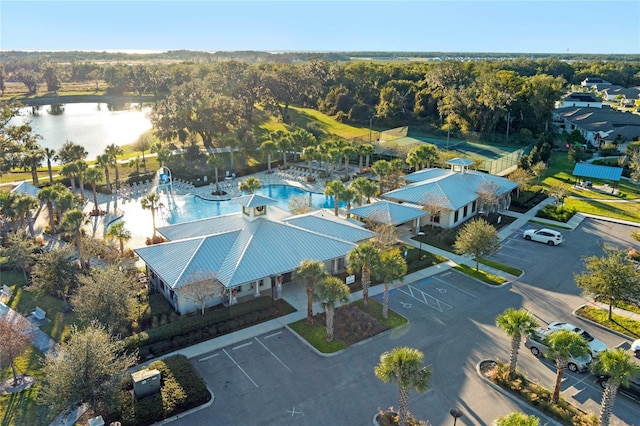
(624, 325)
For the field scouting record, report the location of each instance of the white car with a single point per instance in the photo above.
(595, 346)
(635, 348)
(544, 235)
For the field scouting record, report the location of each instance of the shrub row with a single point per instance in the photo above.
(182, 389)
(191, 328)
(557, 213)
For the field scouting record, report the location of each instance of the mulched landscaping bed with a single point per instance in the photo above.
(351, 325)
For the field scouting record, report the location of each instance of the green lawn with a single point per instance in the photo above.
(481, 275)
(21, 409)
(559, 172)
(619, 323)
(24, 301)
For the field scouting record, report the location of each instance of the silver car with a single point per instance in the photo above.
(535, 342)
(596, 346)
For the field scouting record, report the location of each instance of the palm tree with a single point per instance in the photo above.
(564, 344)
(135, 162)
(367, 150)
(113, 151)
(103, 161)
(331, 291)
(515, 323)
(282, 140)
(120, 233)
(310, 272)
(348, 195)
(347, 150)
(67, 200)
(93, 176)
(48, 196)
(268, 146)
(50, 155)
(403, 365)
(72, 222)
(359, 184)
(214, 162)
(391, 267)
(81, 168)
(151, 201)
(250, 184)
(363, 258)
(309, 154)
(618, 367)
(69, 170)
(24, 203)
(334, 189)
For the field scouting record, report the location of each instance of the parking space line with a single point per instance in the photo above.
(459, 289)
(274, 355)
(273, 334)
(241, 369)
(208, 357)
(242, 346)
(427, 299)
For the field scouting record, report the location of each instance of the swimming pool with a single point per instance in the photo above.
(185, 208)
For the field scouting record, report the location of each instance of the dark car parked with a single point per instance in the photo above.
(632, 391)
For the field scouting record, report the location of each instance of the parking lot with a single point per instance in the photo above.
(277, 379)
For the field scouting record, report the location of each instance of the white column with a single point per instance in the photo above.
(279, 287)
(256, 286)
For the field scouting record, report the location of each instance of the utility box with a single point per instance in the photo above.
(146, 382)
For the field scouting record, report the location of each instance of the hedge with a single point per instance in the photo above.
(182, 389)
(194, 328)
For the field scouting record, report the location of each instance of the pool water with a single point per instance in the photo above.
(186, 208)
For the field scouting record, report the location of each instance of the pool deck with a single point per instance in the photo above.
(112, 204)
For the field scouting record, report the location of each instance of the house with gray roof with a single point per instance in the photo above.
(599, 125)
(452, 196)
(248, 252)
(580, 99)
(624, 95)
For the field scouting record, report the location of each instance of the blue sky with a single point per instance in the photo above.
(426, 26)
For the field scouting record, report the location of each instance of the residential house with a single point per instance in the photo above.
(580, 99)
(599, 125)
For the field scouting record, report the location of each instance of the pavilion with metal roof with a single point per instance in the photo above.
(584, 171)
(390, 213)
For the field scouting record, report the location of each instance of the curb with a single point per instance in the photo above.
(575, 314)
(514, 398)
(362, 342)
(188, 412)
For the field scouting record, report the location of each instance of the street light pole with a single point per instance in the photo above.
(455, 413)
(420, 234)
(370, 126)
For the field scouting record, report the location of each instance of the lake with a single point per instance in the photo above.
(92, 125)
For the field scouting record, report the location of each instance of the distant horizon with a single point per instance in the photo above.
(459, 26)
(275, 52)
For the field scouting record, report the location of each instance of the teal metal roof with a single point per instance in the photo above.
(594, 171)
(240, 251)
(388, 212)
(452, 190)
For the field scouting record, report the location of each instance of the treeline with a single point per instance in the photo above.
(211, 102)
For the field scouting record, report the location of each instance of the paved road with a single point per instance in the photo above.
(276, 379)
